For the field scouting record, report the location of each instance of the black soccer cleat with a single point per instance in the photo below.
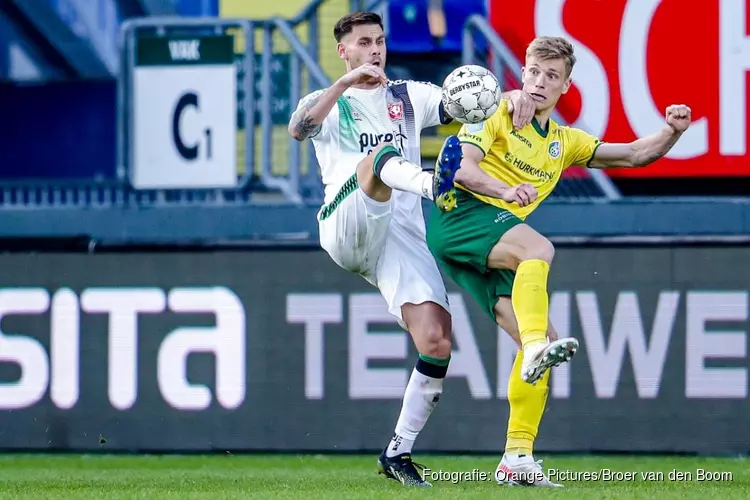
(401, 468)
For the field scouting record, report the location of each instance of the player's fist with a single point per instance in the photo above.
(367, 73)
(522, 108)
(523, 194)
(678, 117)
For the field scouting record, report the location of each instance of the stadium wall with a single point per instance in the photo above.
(666, 220)
(278, 349)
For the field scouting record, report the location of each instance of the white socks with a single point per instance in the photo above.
(399, 445)
(402, 175)
(421, 397)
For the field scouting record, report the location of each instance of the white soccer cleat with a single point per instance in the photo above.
(514, 470)
(538, 358)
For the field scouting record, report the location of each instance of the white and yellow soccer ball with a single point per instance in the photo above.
(471, 94)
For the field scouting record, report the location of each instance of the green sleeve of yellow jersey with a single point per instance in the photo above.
(581, 147)
(483, 134)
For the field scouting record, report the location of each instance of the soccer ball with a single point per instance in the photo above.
(471, 94)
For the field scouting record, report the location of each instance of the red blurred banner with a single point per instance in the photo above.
(635, 58)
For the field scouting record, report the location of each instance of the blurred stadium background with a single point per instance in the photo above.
(162, 285)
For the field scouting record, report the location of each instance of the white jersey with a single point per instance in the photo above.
(384, 242)
(363, 119)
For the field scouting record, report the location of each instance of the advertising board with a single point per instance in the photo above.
(632, 65)
(281, 350)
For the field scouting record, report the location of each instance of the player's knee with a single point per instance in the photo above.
(434, 340)
(367, 177)
(367, 164)
(437, 347)
(540, 249)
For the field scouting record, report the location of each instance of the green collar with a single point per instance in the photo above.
(539, 130)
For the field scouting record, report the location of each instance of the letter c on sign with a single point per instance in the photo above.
(187, 152)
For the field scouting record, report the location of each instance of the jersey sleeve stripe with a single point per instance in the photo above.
(445, 118)
(475, 145)
(593, 153)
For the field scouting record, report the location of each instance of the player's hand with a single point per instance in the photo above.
(523, 195)
(678, 117)
(367, 73)
(522, 108)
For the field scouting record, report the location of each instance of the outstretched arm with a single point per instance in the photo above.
(645, 150)
(638, 153)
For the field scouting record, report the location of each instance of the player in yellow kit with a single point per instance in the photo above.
(511, 163)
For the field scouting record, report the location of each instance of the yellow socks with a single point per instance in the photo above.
(530, 301)
(527, 403)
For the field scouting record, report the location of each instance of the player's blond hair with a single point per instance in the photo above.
(546, 48)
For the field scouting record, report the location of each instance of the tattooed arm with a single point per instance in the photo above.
(307, 120)
(312, 111)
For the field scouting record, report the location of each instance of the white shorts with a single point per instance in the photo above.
(361, 236)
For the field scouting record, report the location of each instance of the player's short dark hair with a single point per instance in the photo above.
(346, 24)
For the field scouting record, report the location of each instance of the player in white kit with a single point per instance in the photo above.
(366, 132)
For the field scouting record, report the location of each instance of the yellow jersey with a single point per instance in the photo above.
(530, 155)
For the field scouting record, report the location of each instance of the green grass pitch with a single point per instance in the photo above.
(348, 477)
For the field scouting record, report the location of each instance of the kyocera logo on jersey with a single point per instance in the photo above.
(396, 110)
(554, 150)
(60, 372)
